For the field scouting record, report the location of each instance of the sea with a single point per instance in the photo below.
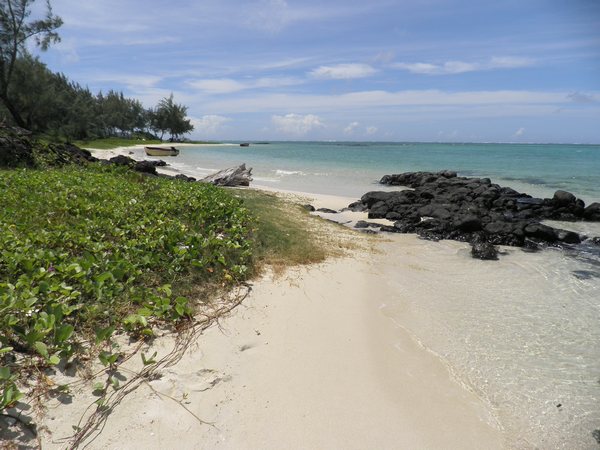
(523, 332)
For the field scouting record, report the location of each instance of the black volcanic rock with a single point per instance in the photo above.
(443, 205)
(563, 198)
(145, 167)
(484, 250)
(592, 212)
(122, 160)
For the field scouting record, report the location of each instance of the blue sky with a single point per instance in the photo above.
(428, 70)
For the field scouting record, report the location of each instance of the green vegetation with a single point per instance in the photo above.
(89, 251)
(114, 142)
(15, 30)
(49, 104)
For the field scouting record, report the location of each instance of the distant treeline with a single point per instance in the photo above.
(50, 104)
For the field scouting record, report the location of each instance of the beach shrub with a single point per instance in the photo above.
(85, 249)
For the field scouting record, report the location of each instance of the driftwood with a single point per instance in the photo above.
(234, 176)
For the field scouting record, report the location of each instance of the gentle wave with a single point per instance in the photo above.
(289, 172)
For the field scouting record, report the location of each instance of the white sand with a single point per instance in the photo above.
(309, 361)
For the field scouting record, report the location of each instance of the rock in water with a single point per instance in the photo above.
(234, 176)
(563, 198)
(484, 250)
(592, 212)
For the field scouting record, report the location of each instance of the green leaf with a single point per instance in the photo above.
(43, 287)
(98, 388)
(41, 348)
(103, 334)
(100, 279)
(108, 358)
(54, 360)
(115, 383)
(4, 373)
(148, 361)
(63, 333)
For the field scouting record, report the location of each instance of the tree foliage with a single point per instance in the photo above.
(35, 98)
(49, 103)
(16, 29)
(170, 117)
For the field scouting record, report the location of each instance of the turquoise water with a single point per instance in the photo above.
(351, 169)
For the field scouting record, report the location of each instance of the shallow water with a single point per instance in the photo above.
(522, 332)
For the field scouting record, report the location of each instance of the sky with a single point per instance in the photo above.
(348, 70)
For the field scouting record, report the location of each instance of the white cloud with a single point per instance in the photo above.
(351, 127)
(272, 16)
(343, 71)
(269, 15)
(133, 82)
(580, 97)
(456, 67)
(217, 86)
(296, 124)
(510, 62)
(210, 124)
(371, 130)
(520, 132)
(360, 100)
(228, 85)
(385, 57)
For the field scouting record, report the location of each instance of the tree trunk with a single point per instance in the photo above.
(19, 121)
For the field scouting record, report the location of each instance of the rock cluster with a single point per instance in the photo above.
(16, 149)
(444, 206)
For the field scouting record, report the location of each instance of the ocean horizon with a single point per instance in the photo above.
(352, 168)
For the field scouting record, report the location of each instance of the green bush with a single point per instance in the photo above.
(83, 249)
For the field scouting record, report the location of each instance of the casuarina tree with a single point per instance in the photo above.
(16, 28)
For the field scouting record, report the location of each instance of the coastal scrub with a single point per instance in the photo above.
(85, 252)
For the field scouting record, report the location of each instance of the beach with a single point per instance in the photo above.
(401, 343)
(307, 361)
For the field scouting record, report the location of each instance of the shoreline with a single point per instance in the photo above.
(427, 286)
(308, 360)
(404, 393)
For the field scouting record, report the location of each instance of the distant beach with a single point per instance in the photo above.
(520, 335)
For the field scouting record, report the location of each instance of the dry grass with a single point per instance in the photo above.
(287, 235)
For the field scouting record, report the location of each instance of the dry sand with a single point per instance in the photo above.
(309, 361)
